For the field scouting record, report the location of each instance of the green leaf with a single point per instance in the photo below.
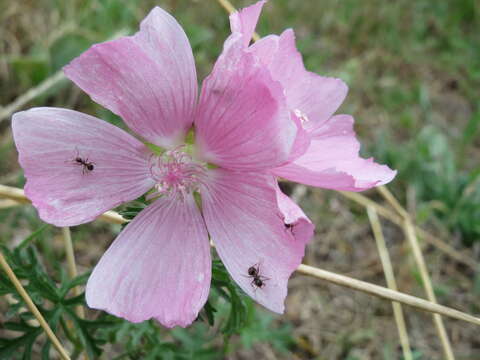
(31, 237)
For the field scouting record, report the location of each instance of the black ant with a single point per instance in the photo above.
(289, 227)
(258, 281)
(87, 166)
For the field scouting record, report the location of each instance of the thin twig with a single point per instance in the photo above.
(71, 266)
(385, 293)
(391, 283)
(7, 203)
(427, 284)
(422, 267)
(392, 201)
(41, 88)
(379, 291)
(112, 217)
(31, 94)
(432, 240)
(13, 278)
(13, 193)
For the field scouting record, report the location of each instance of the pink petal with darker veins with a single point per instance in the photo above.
(295, 219)
(158, 267)
(63, 190)
(302, 140)
(332, 161)
(148, 79)
(316, 97)
(245, 20)
(242, 120)
(246, 225)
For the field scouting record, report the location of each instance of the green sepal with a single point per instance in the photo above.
(157, 150)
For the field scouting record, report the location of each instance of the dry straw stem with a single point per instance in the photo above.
(11, 275)
(71, 266)
(385, 293)
(38, 90)
(379, 291)
(31, 94)
(422, 267)
(427, 284)
(432, 240)
(7, 203)
(391, 283)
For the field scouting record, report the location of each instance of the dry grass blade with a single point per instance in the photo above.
(71, 266)
(420, 261)
(36, 91)
(7, 203)
(422, 267)
(379, 291)
(391, 283)
(31, 94)
(385, 293)
(432, 240)
(13, 278)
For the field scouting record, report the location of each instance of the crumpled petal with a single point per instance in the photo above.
(302, 140)
(313, 96)
(294, 218)
(148, 79)
(243, 122)
(158, 267)
(246, 225)
(332, 161)
(64, 191)
(245, 20)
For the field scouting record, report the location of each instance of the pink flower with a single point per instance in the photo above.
(252, 122)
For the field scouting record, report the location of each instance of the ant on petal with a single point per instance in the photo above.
(258, 281)
(288, 226)
(87, 166)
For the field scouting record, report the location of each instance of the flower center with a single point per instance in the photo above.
(175, 172)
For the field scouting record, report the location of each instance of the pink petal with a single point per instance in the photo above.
(64, 191)
(245, 20)
(315, 96)
(246, 225)
(332, 160)
(158, 267)
(243, 122)
(148, 79)
(302, 140)
(298, 223)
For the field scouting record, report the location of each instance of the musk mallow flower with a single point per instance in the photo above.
(248, 128)
(78, 166)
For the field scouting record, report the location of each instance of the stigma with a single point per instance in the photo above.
(176, 173)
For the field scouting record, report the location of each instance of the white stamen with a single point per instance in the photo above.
(176, 172)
